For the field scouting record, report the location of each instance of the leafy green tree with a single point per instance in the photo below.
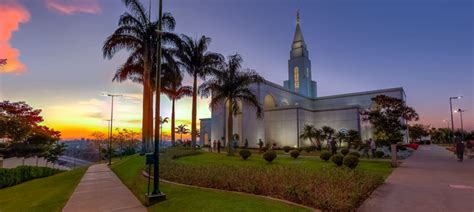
(388, 117)
(417, 131)
(229, 86)
(137, 34)
(195, 58)
(53, 153)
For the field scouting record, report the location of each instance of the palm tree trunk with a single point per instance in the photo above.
(172, 122)
(230, 127)
(145, 107)
(194, 112)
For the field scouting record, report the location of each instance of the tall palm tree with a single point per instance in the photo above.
(175, 91)
(162, 121)
(229, 85)
(181, 129)
(199, 63)
(137, 33)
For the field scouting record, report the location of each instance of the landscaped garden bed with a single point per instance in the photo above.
(307, 181)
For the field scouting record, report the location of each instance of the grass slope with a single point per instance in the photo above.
(182, 198)
(379, 167)
(44, 194)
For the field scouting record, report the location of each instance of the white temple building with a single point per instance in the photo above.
(289, 107)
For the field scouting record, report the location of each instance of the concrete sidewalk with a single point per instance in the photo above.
(430, 180)
(101, 190)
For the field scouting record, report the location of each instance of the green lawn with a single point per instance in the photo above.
(44, 194)
(373, 166)
(183, 198)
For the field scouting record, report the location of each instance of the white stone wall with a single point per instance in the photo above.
(282, 124)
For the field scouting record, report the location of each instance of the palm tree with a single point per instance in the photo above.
(308, 133)
(327, 132)
(162, 121)
(229, 85)
(198, 62)
(137, 34)
(175, 91)
(181, 129)
(341, 136)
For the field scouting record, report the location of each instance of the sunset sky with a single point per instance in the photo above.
(55, 61)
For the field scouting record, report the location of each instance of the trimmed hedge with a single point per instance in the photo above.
(11, 177)
(351, 161)
(325, 155)
(245, 154)
(344, 151)
(269, 155)
(337, 159)
(286, 149)
(295, 153)
(379, 154)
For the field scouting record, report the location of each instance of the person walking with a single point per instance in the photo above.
(260, 145)
(460, 150)
(246, 144)
(219, 146)
(373, 147)
(210, 145)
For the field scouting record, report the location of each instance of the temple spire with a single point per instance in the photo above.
(298, 17)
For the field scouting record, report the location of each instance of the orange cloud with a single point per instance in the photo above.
(12, 15)
(69, 7)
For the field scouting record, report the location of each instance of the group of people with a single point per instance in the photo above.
(216, 145)
(461, 146)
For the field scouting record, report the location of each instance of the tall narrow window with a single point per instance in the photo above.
(296, 75)
(307, 72)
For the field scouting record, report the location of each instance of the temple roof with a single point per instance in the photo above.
(298, 34)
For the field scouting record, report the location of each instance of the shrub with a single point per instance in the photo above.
(286, 149)
(318, 148)
(351, 161)
(379, 154)
(245, 154)
(337, 159)
(357, 154)
(344, 151)
(325, 155)
(10, 177)
(269, 155)
(295, 153)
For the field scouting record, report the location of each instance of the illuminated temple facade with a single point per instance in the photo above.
(289, 107)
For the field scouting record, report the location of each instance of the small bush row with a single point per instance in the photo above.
(11, 177)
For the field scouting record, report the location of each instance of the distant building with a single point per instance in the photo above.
(288, 108)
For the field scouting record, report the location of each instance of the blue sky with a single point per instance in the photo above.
(424, 46)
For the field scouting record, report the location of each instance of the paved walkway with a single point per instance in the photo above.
(101, 190)
(430, 180)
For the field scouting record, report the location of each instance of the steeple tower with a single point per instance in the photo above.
(299, 65)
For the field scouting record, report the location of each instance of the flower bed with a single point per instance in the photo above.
(332, 188)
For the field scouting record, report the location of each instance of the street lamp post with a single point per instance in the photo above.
(111, 125)
(460, 111)
(156, 194)
(451, 112)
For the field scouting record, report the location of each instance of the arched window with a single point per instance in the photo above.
(269, 102)
(296, 75)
